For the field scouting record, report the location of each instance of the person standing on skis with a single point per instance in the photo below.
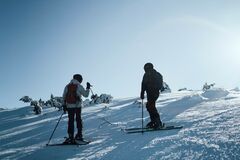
(72, 97)
(152, 83)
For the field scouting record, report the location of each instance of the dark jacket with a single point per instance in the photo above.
(152, 82)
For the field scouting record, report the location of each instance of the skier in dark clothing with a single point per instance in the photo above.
(152, 83)
(72, 97)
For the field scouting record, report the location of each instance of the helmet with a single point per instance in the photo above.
(148, 66)
(78, 77)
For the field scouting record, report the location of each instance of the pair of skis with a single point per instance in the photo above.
(76, 143)
(145, 129)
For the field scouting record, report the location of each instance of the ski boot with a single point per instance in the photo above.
(155, 125)
(158, 125)
(78, 137)
(149, 125)
(69, 140)
(79, 140)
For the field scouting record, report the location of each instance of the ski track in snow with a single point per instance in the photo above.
(211, 123)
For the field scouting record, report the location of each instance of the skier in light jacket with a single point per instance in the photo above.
(72, 97)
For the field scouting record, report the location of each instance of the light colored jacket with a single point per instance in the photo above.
(80, 92)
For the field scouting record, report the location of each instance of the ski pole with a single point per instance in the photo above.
(91, 91)
(54, 129)
(142, 116)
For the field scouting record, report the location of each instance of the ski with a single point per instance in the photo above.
(139, 130)
(78, 143)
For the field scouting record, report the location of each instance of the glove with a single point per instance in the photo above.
(65, 108)
(88, 85)
(142, 95)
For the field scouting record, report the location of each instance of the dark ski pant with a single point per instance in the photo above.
(151, 107)
(71, 116)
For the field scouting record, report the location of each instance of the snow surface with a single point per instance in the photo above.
(211, 130)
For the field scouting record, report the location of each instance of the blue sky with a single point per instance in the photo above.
(44, 42)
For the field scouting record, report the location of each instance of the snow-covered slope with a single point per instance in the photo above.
(211, 130)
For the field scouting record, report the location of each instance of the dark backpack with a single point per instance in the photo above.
(154, 81)
(71, 96)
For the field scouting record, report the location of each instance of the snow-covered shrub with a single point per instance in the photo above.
(215, 93)
(182, 89)
(103, 98)
(86, 102)
(55, 102)
(138, 103)
(37, 108)
(207, 86)
(236, 89)
(26, 99)
(36, 104)
(41, 102)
